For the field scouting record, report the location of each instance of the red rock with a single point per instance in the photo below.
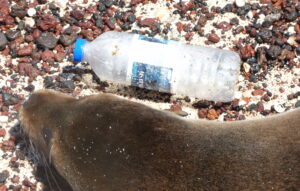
(88, 34)
(28, 69)
(110, 12)
(2, 132)
(3, 188)
(212, 114)
(281, 90)
(78, 15)
(134, 2)
(297, 28)
(28, 38)
(9, 20)
(48, 56)
(179, 26)
(13, 159)
(4, 10)
(15, 179)
(265, 1)
(36, 56)
(213, 38)
(110, 24)
(36, 33)
(188, 36)
(46, 67)
(247, 51)
(176, 108)
(148, 22)
(260, 107)
(253, 32)
(47, 22)
(8, 145)
(25, 51)
(59, 57)
(258, 92)
(202, 113)
(91, 9)
(86, 24)
(225, 26)
(27, 183)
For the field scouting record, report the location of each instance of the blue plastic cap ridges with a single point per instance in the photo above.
(78, 49)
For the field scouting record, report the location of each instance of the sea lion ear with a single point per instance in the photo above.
(29, 102)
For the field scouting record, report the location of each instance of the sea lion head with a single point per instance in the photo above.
(40, 107)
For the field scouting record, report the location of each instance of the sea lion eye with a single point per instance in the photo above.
(47, 135)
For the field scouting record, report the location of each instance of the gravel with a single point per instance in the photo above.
(47, 40)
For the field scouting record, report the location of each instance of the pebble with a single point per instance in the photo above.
(212, 114)
(258, 92)
(213, 38)
(131, 18)
(15, 179)
(272, 17)
(25, 51)
(225, 26)
(29, 21)
(17, 11)
(260, 106)
(240, 3)
(12, 34)
(67, 40)
(27, 183)
(47, 40)
(265, 35)
(68, 84)
(176, 108)
(48, 56)
(3, 41)
(31, 12)
(246, 67)
(9, 99)
(274, 51)
(250, 14)
(78, 15)
(3, 176)
(202, 113)
(247, 51)
(29, 88)
(297, 104)
(2, 132)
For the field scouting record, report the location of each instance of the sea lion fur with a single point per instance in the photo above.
(106, 143)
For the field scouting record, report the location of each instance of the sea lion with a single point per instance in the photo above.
(105, 143)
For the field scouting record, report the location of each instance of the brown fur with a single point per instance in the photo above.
(106, 143)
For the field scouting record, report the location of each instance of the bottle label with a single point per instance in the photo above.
(155, 40)
(151, 77)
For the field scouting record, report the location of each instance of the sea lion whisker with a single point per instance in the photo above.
(50, 171)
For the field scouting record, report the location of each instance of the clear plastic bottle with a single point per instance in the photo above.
(163, 65)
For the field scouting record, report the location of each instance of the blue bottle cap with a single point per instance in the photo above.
(78, 49)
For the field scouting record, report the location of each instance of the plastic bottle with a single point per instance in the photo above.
(163, 65)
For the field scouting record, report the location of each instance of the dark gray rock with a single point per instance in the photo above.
(12, 34)
(3, 176)
(18, 11)
(3, 41)
(67, 40)
(47, 40)
(9, 99)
